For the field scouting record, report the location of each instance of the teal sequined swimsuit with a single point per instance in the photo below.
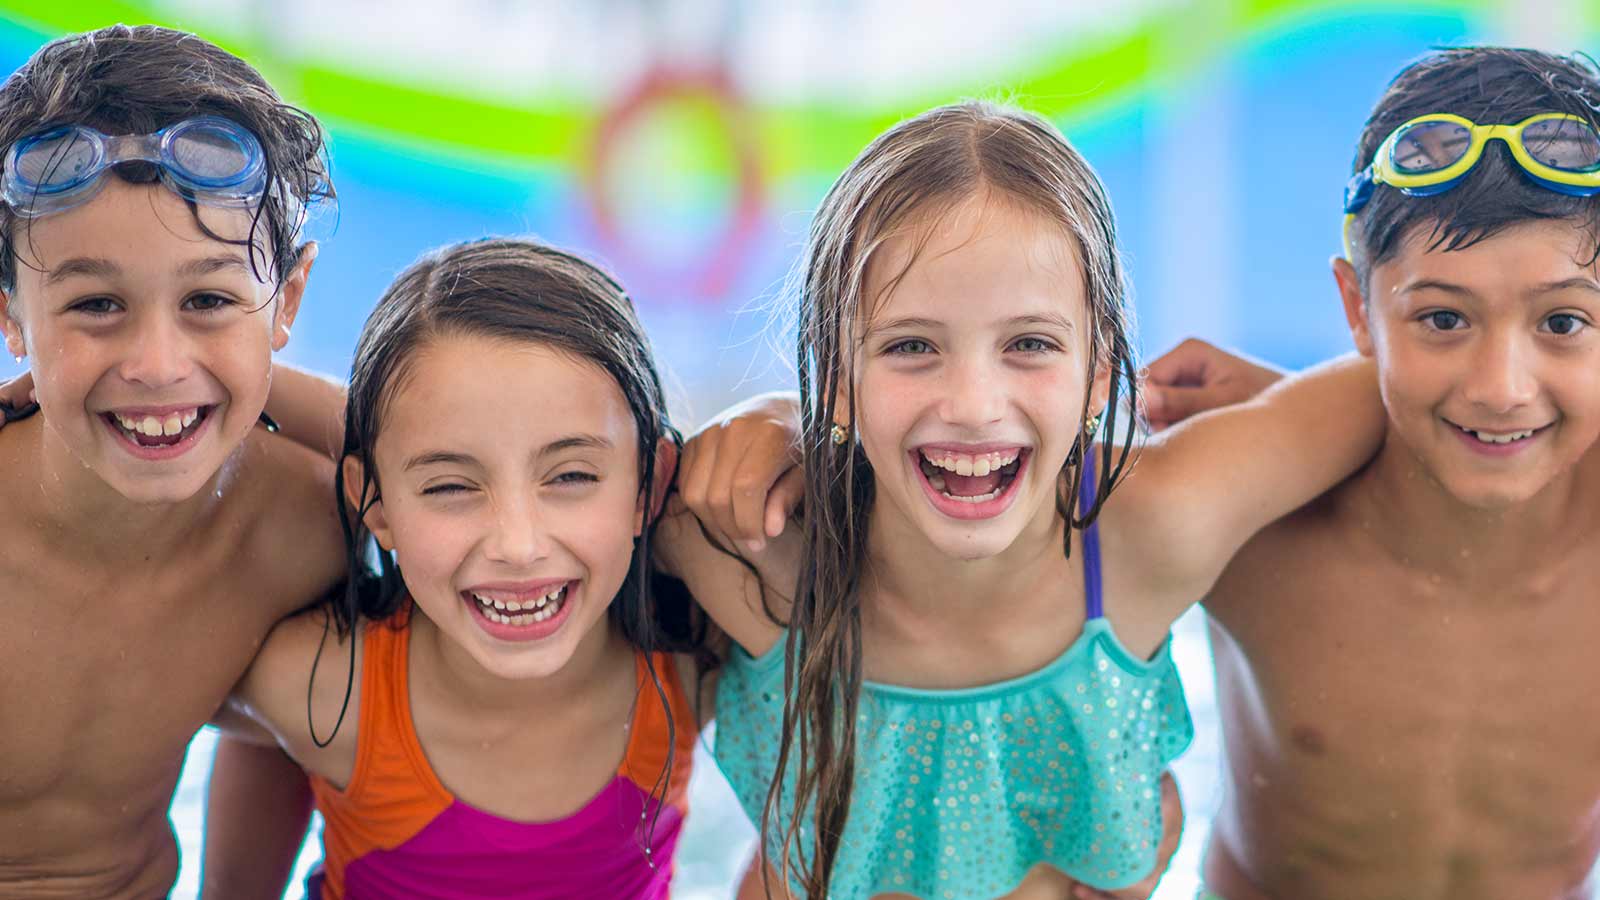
(958, 793)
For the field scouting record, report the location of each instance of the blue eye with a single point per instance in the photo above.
(910, 347)
(1032, 345)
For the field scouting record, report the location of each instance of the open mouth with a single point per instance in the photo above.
(524, 612)
(153, 432)
(971, 477)
(521, 614)
(1498, 439)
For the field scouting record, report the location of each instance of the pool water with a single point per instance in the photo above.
(717, 838)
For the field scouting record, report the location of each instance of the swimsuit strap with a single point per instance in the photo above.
(1091, 540)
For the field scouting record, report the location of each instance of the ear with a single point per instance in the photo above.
(374, 519)
(1356, 309)
(666, 464)
(1100, 388)
(293, 288)
(16, 345)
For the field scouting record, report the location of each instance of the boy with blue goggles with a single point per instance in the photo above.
(207, 159)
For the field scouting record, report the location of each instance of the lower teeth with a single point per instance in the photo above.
(502, 617)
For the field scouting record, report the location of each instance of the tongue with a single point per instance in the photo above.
(970, 485)
(165, 440)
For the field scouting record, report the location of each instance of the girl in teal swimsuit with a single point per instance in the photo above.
(952, 681)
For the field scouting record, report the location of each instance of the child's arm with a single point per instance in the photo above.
(1198, 491)
(309, 409)
(258, 805)
(740, 477)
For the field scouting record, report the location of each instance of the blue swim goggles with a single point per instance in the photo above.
(206, 159)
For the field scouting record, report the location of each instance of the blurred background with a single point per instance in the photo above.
(684, 143)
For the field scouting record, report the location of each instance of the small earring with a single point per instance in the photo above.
(838, 435)
(1092, 425)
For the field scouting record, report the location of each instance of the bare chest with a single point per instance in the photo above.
(1384, 695)
(106, 675)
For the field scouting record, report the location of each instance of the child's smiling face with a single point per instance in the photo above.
(971, 372)
(1488, 356)
(509, 480)
(150, 343)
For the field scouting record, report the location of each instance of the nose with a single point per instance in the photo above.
(1502, 377)
(973, 393)
(519, 536)
(159, 354)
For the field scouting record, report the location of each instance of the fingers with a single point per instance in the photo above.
(784, 499)
(1167, 405)
(1189, 363)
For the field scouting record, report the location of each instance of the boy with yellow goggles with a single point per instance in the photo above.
(1432, 153)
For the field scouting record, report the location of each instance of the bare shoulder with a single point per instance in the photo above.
(307, 677)
(1300, 556)
(292, 520)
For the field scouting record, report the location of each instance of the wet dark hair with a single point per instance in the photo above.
(921, 168)
(514, 290)
(1490, 86)
(138, 80)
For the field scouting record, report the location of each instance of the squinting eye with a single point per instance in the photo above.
(444, 489)
(95, 306)
(576, 478)
(1565, 324)
(1443, 320)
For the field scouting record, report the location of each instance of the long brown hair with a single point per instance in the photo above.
(919, 167)
(519, 290)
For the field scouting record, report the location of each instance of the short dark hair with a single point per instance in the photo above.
(1490, 86)
(138, 80)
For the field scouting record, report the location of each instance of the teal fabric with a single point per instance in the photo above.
(959, 793)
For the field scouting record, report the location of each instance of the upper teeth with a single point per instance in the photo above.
(1489, 437)
(970, 464)
(151, 426)
(540, 607)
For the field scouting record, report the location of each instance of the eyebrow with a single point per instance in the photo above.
(447, 458)
(83, 266)
(92, 267)
(1052, 320)
(211, 264)
(1577, 281)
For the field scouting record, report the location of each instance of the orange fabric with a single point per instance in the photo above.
(393, 793)
(646, 756)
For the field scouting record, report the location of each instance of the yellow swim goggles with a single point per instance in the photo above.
(1432, 153)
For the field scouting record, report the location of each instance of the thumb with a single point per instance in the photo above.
(784, 499)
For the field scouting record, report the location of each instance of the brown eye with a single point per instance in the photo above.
(1443, 320)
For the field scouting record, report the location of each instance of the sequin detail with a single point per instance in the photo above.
(959, 793)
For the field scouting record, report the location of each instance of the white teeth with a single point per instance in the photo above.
(970, 464)
(150, 426)
(515, 613)
(980, 498)
(1489, 437)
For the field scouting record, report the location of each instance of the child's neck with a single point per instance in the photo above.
(101, 523)
(455, 674)
(1426, 527)
(909, 576)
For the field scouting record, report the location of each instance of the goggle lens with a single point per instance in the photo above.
(1563, 144)
(1430, 147)
(56, 160)
(208, 154)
